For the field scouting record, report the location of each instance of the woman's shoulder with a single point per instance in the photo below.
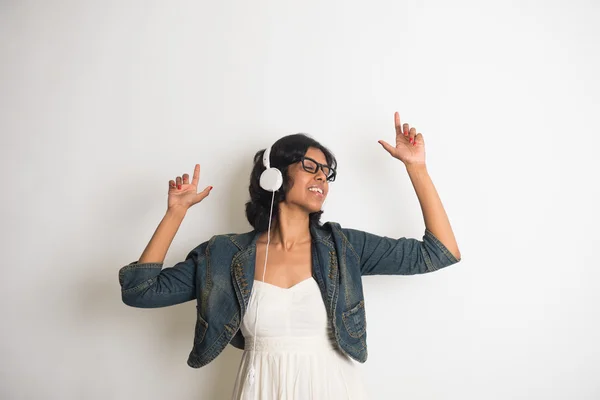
(334, 227)
(236, 239)
(333, 231)
(352, 236)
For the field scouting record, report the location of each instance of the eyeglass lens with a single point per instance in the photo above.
(311, 166)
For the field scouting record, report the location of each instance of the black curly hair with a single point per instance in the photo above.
(284, 152)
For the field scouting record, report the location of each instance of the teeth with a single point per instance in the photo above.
(315, 189)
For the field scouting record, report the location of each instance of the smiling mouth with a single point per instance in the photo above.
(316, 191)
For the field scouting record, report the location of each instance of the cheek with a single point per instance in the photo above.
(298, 191)
(292, 192)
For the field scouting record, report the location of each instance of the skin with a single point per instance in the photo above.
(289, 258)
(410, 149)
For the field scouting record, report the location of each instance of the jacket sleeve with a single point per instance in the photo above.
(381, 255)
(147, 285)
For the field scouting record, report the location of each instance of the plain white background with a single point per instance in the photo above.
(102, 103)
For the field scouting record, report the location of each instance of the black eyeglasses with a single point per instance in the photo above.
(312, 166)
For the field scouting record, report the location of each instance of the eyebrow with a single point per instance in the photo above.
(325, 163)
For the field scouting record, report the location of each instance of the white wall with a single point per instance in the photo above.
(103, 102)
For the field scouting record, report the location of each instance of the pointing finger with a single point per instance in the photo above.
(196, 175)
(397, 123)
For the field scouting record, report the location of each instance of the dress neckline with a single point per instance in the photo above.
(282, 288)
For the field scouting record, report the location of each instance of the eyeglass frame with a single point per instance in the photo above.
(320, 166)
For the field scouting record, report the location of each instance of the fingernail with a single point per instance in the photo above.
(210, 188)
(411, 140)
(178, 186)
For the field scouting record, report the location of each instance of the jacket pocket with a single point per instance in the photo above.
(354, 320)
(201, 328)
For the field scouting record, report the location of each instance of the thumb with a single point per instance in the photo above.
(202, 195)
(390, 149)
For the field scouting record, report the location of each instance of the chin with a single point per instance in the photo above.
(313, 209)
(310, 205)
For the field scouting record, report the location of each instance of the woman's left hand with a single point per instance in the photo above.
(410, 147)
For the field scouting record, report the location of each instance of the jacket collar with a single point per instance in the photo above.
(249, 239)
(243, 262)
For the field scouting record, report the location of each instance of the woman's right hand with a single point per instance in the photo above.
(184, 194)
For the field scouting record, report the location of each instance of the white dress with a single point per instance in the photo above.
(296, 356)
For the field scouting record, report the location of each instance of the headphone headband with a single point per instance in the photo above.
(266, 156)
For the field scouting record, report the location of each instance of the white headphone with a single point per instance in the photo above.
(271, 180)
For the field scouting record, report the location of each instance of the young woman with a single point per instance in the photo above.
(300, 315)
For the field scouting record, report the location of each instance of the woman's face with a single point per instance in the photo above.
(308, 190)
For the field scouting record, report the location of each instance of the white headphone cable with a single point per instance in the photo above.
(251, 372)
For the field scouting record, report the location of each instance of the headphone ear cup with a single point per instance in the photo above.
(271, 179)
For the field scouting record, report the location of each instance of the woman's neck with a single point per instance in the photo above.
(290, 229)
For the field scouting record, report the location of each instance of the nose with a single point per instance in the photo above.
(320, 174)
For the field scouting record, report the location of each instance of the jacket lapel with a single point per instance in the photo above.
(243, 266)
(324, 259)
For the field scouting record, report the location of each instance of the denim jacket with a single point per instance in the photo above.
(219, 275)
